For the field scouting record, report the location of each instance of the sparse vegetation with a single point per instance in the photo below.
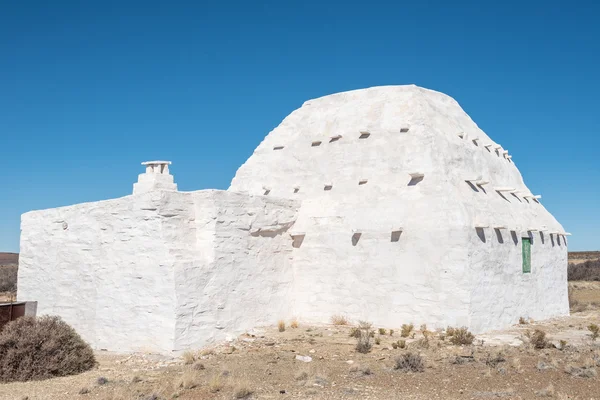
(363, 344)
(242, 391)
(586, 271)
(538, 339)
(188, 380)
(461, 336)
(101, 381)
(382, 331)
(281, 325)
(409, 362)
(449, 331)
(294, 323)
(8, 278)
(406, 330)
(339, 319)
(378, 341)
(41, 348)
(188, 357)
(563, 344)
(522, 321)
(391, 332)
(215, 384)
(594, 331)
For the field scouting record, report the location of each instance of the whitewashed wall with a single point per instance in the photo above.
(440, 272)
(160, 271)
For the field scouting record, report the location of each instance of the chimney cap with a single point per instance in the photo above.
(156, 162)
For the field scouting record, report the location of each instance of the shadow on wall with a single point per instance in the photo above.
(415, 180)
(355, 238)
(481, 234)
(515, 239)
(542, 237)
(499, 235)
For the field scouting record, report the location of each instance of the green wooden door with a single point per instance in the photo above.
(526, 255)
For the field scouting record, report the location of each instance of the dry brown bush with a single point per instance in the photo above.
(8, 278)
(406, 330)
(587, 271)
(41, 348)
(363, 344)
(462, 336)
(595, 331)
(538, 339)
(339, 319)
(409, 362)
(281, 325)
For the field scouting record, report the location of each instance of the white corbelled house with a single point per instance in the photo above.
(386, 204)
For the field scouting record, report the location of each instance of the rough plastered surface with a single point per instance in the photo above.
(386, 204)
(161, 271)
(442, 270)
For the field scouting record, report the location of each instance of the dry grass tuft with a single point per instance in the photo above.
(522, 321)
(538, 339)
(339, 319)
(595, 331)
(461, 337)
(363, 344)
(406, 330)
(198, 366)
(294, 323)
(281, 325)
(188, 380)
(382, 331)
(410, 362)
(215, 384)
(242, 391)
(40, 348)
(188, 357)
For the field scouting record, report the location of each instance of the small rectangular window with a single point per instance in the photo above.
(526, 255)
(328, 187)
(315, 144)
(278, 148)
(335, 138)
(364, 134)
(362, 182)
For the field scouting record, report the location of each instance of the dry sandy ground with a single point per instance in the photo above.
(263, 363)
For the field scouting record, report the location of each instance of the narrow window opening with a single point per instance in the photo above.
(404, 129)
(316, 144)
(328, 187)
(267, 191)
(362, 182)
(335, 138)
(355, 238)
(461, 135)
(364, 134)
(296, 190)
(278, 147)
(475, 142)
(297, 240)
(395, 236)
(526, 254)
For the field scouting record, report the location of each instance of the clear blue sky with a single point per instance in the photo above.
(88, 90)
